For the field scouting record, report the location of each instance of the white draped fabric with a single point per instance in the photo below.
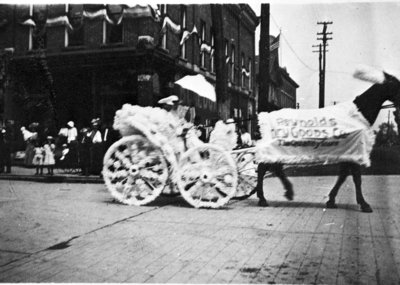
(329, 135)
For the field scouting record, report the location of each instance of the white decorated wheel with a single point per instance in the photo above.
(135, 170)
(206, 176)
(247, 172)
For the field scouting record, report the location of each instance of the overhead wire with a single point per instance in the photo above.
(290, 46)
(296, 54)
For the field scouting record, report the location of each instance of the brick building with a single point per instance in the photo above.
(282, 88)
(88, 60)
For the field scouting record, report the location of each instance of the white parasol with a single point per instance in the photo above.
(198, 84)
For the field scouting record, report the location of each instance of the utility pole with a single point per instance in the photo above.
(264, 57)
(321, 90)
(322, 60)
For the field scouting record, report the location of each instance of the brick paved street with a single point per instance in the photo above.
(76, 233)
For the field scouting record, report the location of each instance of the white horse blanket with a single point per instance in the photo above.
(338, 133)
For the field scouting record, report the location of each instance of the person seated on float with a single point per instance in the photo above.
(173, 105)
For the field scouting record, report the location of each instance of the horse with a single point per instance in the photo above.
(385, 87)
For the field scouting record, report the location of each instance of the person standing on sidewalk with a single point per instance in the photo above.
(49, 160)
(96, 158)
(7, 139)
(38, 156)
(30, 136)
(2, 149)
(84, 151)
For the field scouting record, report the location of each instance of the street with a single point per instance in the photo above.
(76, 233)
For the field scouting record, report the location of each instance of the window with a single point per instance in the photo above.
(183, 25)
(233, 63)
(226, 49)
(30, 45)
(203, 39)
(76, 35)
(163, 10)
(227, 58)
(250, 74)
(212, 58)
(242, 72)
(114, 31)
(39, 37)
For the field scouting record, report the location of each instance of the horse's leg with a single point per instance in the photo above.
(261, 169)
(356, 172)
(278, 169)
(343, 172)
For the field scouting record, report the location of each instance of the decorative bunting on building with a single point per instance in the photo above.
(186, 35)
(157, 12)
(228, 59)
(212, 51)
(102, 14)
(138, 11)
(146, 39)
(29, 22)
(168, 23)
(245, 72)
(205, 48)
(114, 12)
(59, 21)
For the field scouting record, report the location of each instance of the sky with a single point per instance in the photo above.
(363, 33)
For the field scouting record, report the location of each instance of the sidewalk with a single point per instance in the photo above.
(60, 176)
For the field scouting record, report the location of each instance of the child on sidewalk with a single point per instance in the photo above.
(38, 155)
(49, 160)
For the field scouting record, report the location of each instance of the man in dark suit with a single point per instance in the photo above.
(7, 139)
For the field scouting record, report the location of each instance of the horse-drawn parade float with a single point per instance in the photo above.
(160, 152)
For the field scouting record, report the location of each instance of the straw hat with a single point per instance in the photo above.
(171, 100)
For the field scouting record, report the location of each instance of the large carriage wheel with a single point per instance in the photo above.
(247, 172)
(135, 170)
(206, 176)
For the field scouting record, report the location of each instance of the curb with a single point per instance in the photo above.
(52, 179)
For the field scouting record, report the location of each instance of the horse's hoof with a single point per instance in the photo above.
(263, 203)
(331, 205)
(365, 208)
(289, 194)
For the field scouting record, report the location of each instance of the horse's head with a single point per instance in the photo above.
(393, 94)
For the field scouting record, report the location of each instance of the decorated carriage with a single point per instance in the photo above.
(160, 153)
(158, 150)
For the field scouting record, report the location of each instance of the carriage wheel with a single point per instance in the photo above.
(206, 176)
(135, 170)
(247, 173)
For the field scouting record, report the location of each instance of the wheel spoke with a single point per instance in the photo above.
(148, 183)
(247, 169)
(194, 187)
(219, 191)
(127, 190)
(244, 180)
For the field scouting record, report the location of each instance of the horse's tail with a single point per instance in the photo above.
(370, 74)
